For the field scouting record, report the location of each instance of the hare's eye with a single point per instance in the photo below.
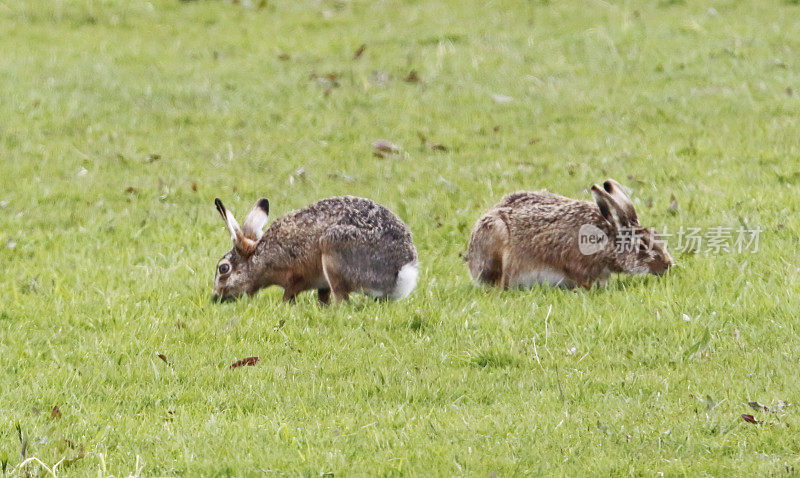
(224, 268)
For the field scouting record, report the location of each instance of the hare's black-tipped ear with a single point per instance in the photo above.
(220, 208)
(263, 203)
(627, 212)
(242, 243)
(253, 226)
(604, 201)
(230, 221)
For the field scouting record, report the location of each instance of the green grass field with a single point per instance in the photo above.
(120, 121)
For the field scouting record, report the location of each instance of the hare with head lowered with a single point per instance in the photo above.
(538, 237)
(336, 246)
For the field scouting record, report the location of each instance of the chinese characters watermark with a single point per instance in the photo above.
(691, 240)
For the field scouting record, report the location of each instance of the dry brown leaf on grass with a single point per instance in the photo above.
(360, 51)
(249, 361)
(750, 419)
(382, 148)
(413, 77)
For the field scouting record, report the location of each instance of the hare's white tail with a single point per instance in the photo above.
(406, 281)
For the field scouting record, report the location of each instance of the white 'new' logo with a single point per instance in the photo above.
(591, 239)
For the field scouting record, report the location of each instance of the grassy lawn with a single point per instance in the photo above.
(120, 121)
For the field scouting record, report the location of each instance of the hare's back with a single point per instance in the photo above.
(364, 214)
(535, 201)
(541, 212)
(541, 205)
(363, 217)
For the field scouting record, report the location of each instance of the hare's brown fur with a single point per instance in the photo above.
(337, 245)
(532, 237)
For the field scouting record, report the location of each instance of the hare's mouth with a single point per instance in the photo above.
(663, 269)
(222, 298)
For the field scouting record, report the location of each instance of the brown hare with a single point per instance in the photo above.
(337, 246)
(543, 238)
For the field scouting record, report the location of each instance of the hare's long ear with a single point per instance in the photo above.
(608, 206)
(253, 226)
(627, 211)
(241, 242)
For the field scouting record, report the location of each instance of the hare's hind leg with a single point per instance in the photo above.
(353, 263)
(487, 251)
(339, 285)
(338, 246)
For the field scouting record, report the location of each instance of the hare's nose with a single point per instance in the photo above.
(222, 298)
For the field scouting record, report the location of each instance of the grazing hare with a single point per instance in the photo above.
(543, 238)
(337, 246)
